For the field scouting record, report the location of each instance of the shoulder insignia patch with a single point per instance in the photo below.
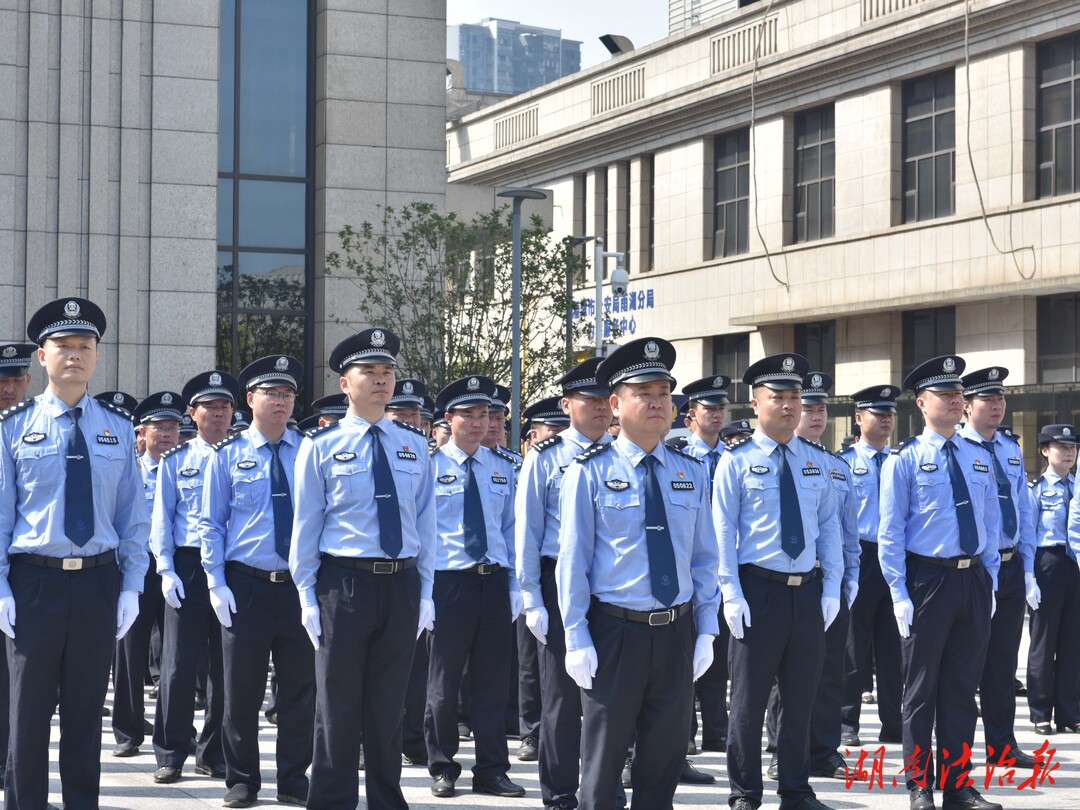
(547, 444)
(684, 454)
(906, 443)
(1036, 481)
(227, 441)
(592, 452)
(18, 407)
(415, 430)
(173, 451)
(820, 447)
(738, 444)
(505, 456)
(311, 434)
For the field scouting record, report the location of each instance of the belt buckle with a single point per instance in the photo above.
(73, 563)
(963, 564)
(794, 580)
(383, 567)
(1007, 555)
(661, 617)
(278, 576)
(483, 569)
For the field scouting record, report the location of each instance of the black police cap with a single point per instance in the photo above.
(159, 406)
(779, 372)
(119, 399)
(646, 359)
(501, 398)
(371, 346)
(466, 393)
(336, 405)
(547, 411)
(212, 386)
(272, 371)
(876, 399)
(986, 382)
(581, 379)
(815, 387)
(408, 394)
(709, 390)
(15, 359)
(937, 374)
(740, 427)
(64, 317)
(1066, 434)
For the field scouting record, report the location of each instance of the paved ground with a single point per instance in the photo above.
(127, 783)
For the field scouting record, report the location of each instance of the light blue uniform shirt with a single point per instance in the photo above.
(1057, 520)
(918, 509)
(33, 473)
(746, 511)
(602, 547)
(335, 499)
(149, 470)
(866, 485)
(848, 513)
(178, 502)
(696, 447)
(536, 506)
(237, 520)
(1011, 459)
(495, 480)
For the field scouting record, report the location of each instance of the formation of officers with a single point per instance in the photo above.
(382, 558)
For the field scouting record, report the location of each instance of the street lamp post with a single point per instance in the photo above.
(518, 195)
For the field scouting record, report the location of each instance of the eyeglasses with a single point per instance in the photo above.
(157, 427)
(285, 397)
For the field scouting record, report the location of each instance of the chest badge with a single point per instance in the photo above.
(759, 469)
(189, 472)
(983, 468)
(246, 465)
(406, 455)
(810, 469)
(446, 479)
(929, 467)
(860, 471)
(616, 485)
(34, 438)
(107, 439)
(682, 485)
(345, 456)
(498, 479)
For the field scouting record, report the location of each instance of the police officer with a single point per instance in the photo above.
(427, 413)
(190, 625)
(240, 421)
(637, 556)
(583, 412)
(544, 418)
(1053, 673)
(938, 549)
(245, 529)
(405, 403)
(158, 417)
(776, 517)
(362, 559)
(735, 432)
(440, 428)
(123, 401)
(188, 429)
(984, 405)
(475, 593)
(73, 526)
(872, 634)
(330, 408)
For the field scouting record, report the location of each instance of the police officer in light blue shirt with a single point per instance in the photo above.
(14, 372)
(938, 549)
(873, 643)
(475, 593)
(637, 585)
(73, 527)
(245, 530)
(776, 515)
(190, 627)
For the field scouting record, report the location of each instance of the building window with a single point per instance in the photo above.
(264, 172)
(815, 172)
(650, 214)
(929, 146)
(1058, 338)
(731, 160)
(1057, 110)
(731, 356)
(817, 343)
(928, 333)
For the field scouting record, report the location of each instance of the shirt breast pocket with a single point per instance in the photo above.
(682, 513)
(38, 464)
(107, 460)
(190, 493)
(252, 488)
(932, 492)
(498, 492)
(618, 512)
(449, 490)
(762, 493)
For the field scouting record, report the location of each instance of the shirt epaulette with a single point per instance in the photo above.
(415, 430)
(975, 442)
(678, 443)
(739, 443)
(506, 456)
(547, 444)
(684, 454)
(172, 451)
(227, 440)
(593, 452)
(840, 455)
(1009, 437)
(18, 407)
(1036, 481)
(908, 442)
(817, 446)
(311, 434)
(123, 414)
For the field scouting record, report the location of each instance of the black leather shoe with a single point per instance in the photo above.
(241, 795)
(443, 786)
(1045, 729)
(500, 786)
(166, 775)
(464, 732)
(125, 749)
(743, 803)
(1023, 761)
(832, 767)
(153, 693)
(1069, 728)
(147, 728)
(627, 771)
(215, 771)
(291, 798)
(774, 768)
(529, 750)
(850, 739)
(885, 737)
(967, 799)
(922, 799)
(811, 803)
(714, 745)
(692, 776)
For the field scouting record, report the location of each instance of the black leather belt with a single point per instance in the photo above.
(271, 576)
(1007, 553)
(792, 580)
(961, 562)
(483, 569)
(67, 563)
(653, 618)
(189, 550)
(374, 566)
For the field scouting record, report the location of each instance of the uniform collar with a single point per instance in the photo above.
(1053, 477)
(352, 420)
(290, 437)
(147, 462)
(767, 445)
(968, 432)
(870, 450)
(635, 453)
(697, 441)
(458, 455)
(936, 440)
(54, 406)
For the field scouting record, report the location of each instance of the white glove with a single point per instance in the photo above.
(993, 604)
(309, 617)
(7, 616)
(127, 610)
(172, 589)
(427, 617)
(703, 655)
(536, 619)
(224, 604)
(904, 611)
(1033, 594)
(581, 666)
(851, 590)
(736, 613)
(830, 609)
(516, 604)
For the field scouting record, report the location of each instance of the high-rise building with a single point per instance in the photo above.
(504, 56)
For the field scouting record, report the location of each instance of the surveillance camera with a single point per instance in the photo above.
(620, 280)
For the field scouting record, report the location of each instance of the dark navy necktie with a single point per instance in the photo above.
(714, 459)
(965, 511)
(1005, 499)
(385, 497)
(879, 459)
(792, 534)
(662, 573)
(78, 486)
(281, 498)
(475, 529)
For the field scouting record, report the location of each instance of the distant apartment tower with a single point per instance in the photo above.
(504, 56)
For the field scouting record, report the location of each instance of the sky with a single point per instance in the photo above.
(643, 21)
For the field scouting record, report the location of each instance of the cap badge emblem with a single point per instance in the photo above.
(1066, 431)
(378, 339)
(788, 365)
(118, 398)
(886, 392)
(282, 364)
(473, 384)
(652, 351)
(816, 381)
(993, 374)
(71, 309)
(949, 366)
(166, 398)
(718, 382)
(9, 351)
(407, 388)
(215, 379)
